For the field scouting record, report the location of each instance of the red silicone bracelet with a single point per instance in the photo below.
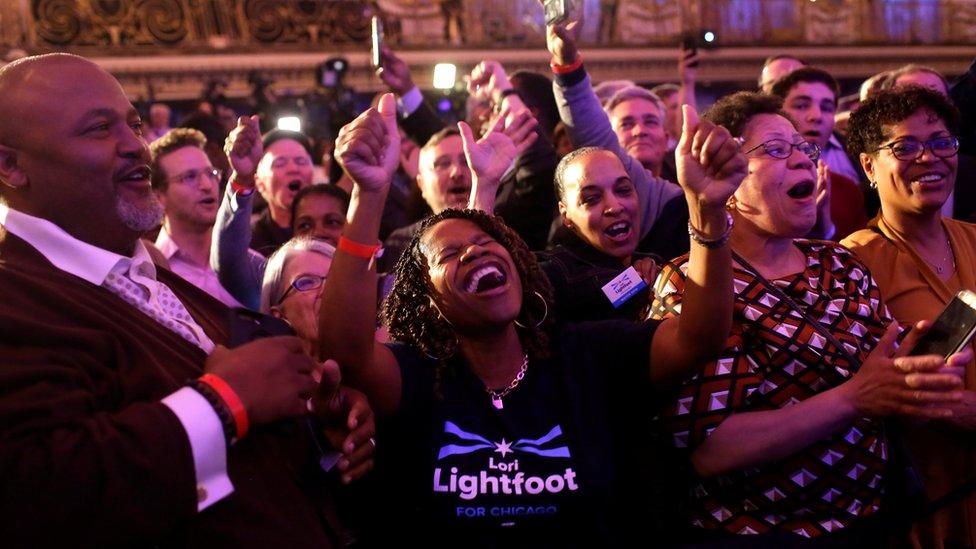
(231, 399)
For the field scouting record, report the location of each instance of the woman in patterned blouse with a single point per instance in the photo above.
(783, 429)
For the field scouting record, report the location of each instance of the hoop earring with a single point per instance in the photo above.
(545, 313)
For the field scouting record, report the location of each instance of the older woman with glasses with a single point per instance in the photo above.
(783, 429)
(293, 282)
(905, 138)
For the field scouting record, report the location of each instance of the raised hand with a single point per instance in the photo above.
(244, 149)
(348, 422)
(368, 148)
(488, 80)
(824, 228)
(891, 383)
(561, 39)
(687, 66)
(394, 72)
(507, 137)
(709, 165)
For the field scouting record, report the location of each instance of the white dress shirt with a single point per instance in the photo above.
(201, 276)
(94, 265)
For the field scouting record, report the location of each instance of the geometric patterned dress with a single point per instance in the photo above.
(774, 359)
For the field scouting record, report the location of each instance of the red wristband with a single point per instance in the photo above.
(240, 189)
(357, 249)
(231, 399)
(566, 69)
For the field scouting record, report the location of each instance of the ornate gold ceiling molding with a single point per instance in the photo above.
(184, 77)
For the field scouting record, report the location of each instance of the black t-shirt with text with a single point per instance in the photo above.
(545, 470)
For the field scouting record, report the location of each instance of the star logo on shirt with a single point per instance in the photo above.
(504, 448)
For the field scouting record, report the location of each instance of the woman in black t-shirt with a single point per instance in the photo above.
(502, 425)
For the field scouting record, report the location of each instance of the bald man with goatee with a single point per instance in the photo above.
(123, 420)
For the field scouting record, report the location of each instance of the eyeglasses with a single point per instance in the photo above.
(912, 149)
(782, 149)
(303, 283)
(192, 177)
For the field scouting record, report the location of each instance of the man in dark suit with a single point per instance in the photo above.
(123, 420)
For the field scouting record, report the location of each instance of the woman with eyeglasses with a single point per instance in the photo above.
(783, 429)
(905, 139)
(292, 286)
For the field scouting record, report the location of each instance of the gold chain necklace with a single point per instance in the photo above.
(496, 396)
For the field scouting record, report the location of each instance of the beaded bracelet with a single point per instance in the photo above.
(223, 412)
(712, 243)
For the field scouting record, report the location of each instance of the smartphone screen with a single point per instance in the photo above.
(952, 330)
(377, 42)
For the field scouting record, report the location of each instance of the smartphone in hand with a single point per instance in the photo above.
(376, 38)
(952, 330)
(558, 12)
(245, 326)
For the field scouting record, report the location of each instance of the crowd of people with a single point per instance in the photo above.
(586, 315)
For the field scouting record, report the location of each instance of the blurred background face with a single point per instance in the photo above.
(812, 105)
(778, 196)
(191, 190)
(639, 126)
(285, 169)
(321, 216)
(776, 70)
(444, 178)
(159, 115)
(301, 309)
(599, 204)
(917, 186)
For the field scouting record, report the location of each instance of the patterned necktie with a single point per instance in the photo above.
(136, 283)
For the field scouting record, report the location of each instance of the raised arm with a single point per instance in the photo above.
(887, 384)
(419, 120)
(710, 169)
(238, 269)
(368, 149)
(526, 199)
(589, 126)
(490, 157)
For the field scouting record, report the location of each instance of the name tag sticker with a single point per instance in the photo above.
(623, 287)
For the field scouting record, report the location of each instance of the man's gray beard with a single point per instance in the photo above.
(140, 219)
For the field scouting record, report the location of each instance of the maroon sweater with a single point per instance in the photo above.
(88, 454)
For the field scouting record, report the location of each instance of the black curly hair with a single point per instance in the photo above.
(866, 128)
(736, 110)
(412, 319)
